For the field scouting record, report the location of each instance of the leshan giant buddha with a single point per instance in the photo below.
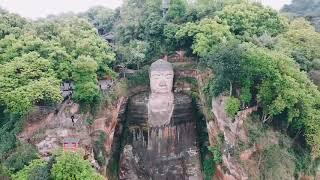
(161, 143)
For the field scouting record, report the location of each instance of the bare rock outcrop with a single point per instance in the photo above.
(48, 134)
(107, 122)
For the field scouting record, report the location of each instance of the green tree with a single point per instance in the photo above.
(279, 87)
(246, 20)
(153, 27)
(131, 17)
(36, 170)
(34, 61)
(209, 8)
(79, 38)
(300, 42)
(72, 166)
(205, 35)
(10, 125)
(226, 62)
(85, 78)
(61, 62)
(22, 156)
(11, 24)
(134, 53)
(102, 18)
(285, 90)
(27, 80)
(232, 106)
(177, 10)
(71, 37)
(170, 40)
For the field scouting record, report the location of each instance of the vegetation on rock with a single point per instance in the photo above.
(232, 106)
(72, 165)
(35, 170)
(65, 165)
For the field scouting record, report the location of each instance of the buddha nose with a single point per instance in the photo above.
(163, 83)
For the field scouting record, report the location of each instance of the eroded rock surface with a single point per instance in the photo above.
(166, 152)
(49, 133)
(233, 132)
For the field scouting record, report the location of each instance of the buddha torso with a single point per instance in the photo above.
(138, 110)
(165, 152)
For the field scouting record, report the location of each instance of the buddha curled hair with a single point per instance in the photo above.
(161, 65)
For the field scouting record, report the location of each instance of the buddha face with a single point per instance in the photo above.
(161, 81)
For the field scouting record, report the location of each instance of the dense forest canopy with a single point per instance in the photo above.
(304, 8)
(37, 56)
(258, 56)
(310, 9)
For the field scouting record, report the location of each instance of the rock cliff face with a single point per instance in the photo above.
(49, 133)
(233, 132)
(166, 152)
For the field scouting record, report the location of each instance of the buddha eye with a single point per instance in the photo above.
(156, 76)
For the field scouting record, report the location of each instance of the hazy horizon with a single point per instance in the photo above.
(42, 8)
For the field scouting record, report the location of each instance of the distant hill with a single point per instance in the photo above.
(310, 9)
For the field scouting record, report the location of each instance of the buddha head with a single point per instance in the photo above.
(161, 77)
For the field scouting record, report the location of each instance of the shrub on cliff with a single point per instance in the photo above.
(140, 78)
(232, 106)
(36, 170)
(22, 156)
(72, 166)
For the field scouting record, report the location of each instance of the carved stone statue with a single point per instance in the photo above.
(161, 132)
(160, 105)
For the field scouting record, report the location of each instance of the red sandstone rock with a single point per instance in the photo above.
(74, 108)
(308, 178)
(232, 130)
(246, 155)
